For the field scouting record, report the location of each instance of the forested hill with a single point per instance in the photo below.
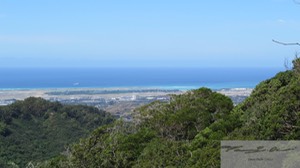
(273, 110)
(34, 130)
(187, 131)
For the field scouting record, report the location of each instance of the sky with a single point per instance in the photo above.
(147, 33)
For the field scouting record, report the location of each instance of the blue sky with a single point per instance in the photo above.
(147, 33)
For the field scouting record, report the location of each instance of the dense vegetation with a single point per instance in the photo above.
(34, 130)
(186, 132)
(159, 137)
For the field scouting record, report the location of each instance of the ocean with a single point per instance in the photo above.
(166, 78)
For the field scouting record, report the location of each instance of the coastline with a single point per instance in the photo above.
(213, 86)
(119, 101)
(110, 92)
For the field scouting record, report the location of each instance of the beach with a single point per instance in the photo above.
(126, 94)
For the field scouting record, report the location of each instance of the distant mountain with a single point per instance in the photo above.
(34, 130)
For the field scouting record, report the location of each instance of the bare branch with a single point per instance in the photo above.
(287, 64)
(296, 1)
(282, 43)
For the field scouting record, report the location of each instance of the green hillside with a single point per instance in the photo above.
(270, 113)
(161, 135)
(36, 129)
(187, 131)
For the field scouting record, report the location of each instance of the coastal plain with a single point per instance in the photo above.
(118, 101)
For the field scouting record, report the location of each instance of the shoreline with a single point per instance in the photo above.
(116, 100)
(176, 87)
(107, 93)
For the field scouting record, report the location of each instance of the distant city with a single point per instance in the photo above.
(118, 101)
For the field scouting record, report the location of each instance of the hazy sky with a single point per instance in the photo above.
(147, 33)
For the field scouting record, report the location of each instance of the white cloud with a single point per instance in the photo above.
(281, 21)
(287, 22)
(34, 39)
(280, 0)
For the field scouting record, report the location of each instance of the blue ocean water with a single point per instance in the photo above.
(168, 78)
